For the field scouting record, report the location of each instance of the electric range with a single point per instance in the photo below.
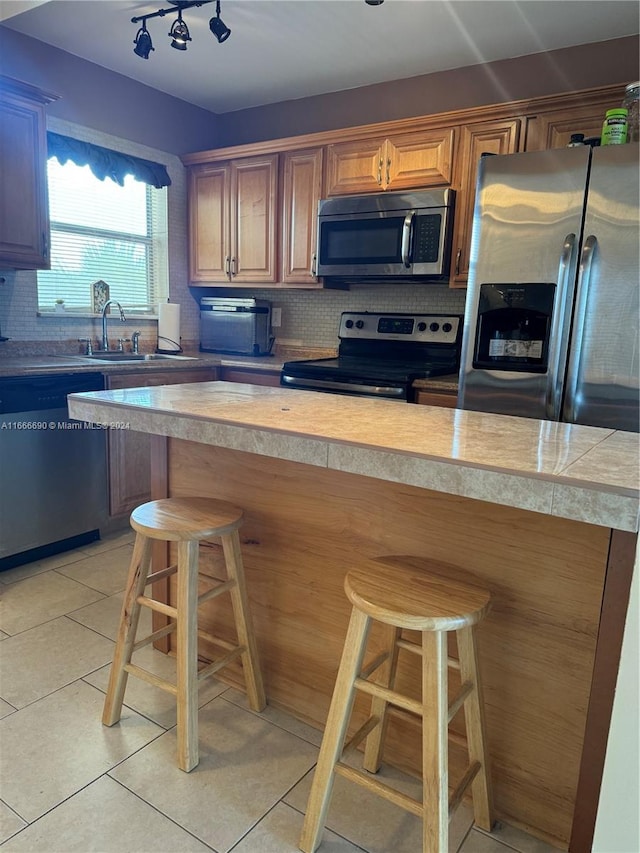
(380, 355)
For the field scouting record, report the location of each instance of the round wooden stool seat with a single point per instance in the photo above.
(416, 594)
(180, 519)
(422, 600)
(185, 522)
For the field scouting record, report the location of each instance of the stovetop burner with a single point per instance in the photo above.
(381, 354)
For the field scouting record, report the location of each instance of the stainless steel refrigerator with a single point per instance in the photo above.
(552, 310)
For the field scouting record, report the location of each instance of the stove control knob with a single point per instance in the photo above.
(446, 327)
(422, 327)
(434, 327)
(359, 324)
(349, 324)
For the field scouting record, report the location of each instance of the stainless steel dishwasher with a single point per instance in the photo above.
(53, 472)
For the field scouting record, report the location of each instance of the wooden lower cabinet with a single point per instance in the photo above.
(448, 399)
(128, 453)
(251, 377)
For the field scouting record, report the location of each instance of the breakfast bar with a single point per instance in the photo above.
(543, 514)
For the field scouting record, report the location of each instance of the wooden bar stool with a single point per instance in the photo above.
(405, 597)
(185, 521)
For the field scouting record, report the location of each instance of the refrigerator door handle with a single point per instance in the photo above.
(560, 321)
(575, 356)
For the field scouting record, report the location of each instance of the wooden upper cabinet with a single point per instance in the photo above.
(406, 161)
(209, 223)
(232, 221)
(301, 189)
(554, 129)
(254, 187)
(24, 209)
(492, 137)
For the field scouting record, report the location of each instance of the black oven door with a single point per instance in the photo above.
(364, 245)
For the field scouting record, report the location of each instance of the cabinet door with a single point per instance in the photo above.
(253, 220)
(129, 457)
(251, 377)
(301, 188)
(554, 129)
(416, 160)
(446, 399)
(24, 211)
(209, 201)
(496, 137)
(355, 167)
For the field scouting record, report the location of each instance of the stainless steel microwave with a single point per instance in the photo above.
(386, 235)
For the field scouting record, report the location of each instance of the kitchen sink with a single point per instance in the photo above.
(133, 356)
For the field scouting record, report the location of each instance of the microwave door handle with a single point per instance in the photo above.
(407, 228)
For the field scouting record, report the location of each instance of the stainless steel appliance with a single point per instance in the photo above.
(380, 355)
(54, 474)
(551, 319)
(386, 236)
(239, 326)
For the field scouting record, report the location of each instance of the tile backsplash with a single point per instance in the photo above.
(312, 317)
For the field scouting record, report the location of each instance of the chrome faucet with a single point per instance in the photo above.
(105, 339)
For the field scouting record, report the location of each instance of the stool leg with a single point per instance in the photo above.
(387, 675)
(187, 655)
(244, 624)
(474, 721)
(435, 720)
(136, 579)
(335, 730)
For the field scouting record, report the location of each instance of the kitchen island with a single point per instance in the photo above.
(544, 514)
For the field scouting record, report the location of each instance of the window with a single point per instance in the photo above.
(103, 231)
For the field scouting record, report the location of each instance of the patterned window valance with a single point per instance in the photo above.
(105, 163)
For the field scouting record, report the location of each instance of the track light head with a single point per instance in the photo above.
(374, 2)
(179, 32)
(218, 27)
(142, 41)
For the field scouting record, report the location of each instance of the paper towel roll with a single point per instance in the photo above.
(168, 327)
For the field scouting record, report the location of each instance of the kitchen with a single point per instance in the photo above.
(310, 318)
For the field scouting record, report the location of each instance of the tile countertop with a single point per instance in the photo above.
(27, 365)
(30, 365)
(576, 472)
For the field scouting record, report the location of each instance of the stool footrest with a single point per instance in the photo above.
(366, 728)
(158, 606)
(389, 695)
(212, 668)
(416, 649)
(366, 671)
(227, 586)
(397, 797)
(157, 635)
(460, 699)
(217, 641)
(456, 797)
(149, 677)
(160, 575)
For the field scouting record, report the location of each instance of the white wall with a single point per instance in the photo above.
(618, 822)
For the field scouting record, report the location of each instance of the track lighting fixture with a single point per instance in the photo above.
(374, 2)
(143, 45)
(179, 32)
(217, 26)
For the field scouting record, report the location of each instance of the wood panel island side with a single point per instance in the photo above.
(543, 514)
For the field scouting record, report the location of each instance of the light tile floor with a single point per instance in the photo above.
(67, 783)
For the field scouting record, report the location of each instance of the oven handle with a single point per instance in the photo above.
(327, 384)
(407, 229)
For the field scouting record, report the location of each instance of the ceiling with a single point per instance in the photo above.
(286, 49)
